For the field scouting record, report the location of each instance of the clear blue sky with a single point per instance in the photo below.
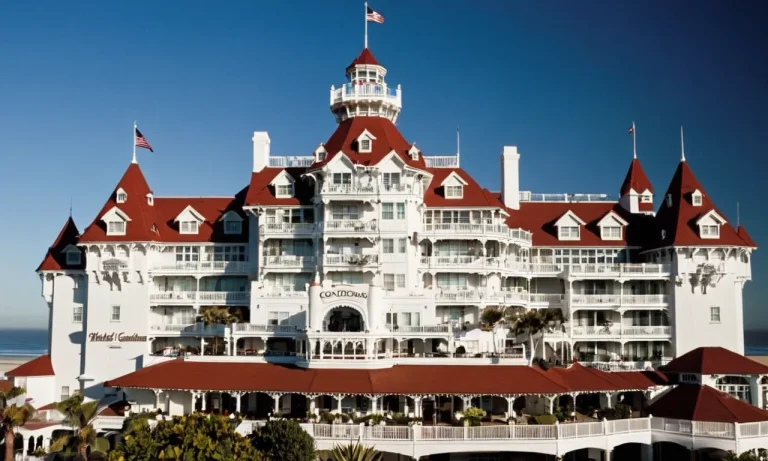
(562, 80)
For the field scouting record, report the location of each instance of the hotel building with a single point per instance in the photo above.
(352, 278)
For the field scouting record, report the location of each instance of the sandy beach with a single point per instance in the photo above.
(9, 363)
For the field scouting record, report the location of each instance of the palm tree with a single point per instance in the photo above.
(12, 417)
(217, 316)
(531, 322)
(79, 416)
(355, 452)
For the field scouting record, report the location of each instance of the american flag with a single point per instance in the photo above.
(141, 141)
(374, 16)
(631, 129)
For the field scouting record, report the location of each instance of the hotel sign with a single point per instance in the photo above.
(342, 292)
(119, 337)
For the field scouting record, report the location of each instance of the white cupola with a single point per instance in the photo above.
(366, 94)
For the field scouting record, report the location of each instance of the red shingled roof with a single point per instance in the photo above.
(636, 179)
(714, 360)
(703, 403)
(40, 366)
(679, 221)
(400, 379)
(162, 215)
(55, 258)
(365, 57)
(540, 218)
(261, 193)
(388, 138)
(473, 194)
(742, 232)
(642, 379)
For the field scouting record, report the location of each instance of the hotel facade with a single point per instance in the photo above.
(356, 279)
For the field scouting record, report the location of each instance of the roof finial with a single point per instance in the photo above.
(70, 207)
(458, 146)
(682, 145)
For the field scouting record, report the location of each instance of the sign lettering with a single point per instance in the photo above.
(342, 294)
(114, 336)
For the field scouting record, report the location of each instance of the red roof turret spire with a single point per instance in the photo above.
(365, 58)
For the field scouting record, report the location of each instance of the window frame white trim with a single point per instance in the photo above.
(714, 311)
(365, 136)
(697, 196)
(121, 196)
(603, 235)
(570, 236)
(704, 222)
(112, 314)
(451, 196)
(72, 250)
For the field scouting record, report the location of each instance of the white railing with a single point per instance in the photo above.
(224, 296)
(287, 228)
(647, 331)
(620, 269)
(252, 328)
(229, 267)
(348, 189)
(343, 225)
(459, 261)
(458, 295)
(570, 431)
(289, 261)
(644, 300)
(531, 298)
(478, 229)
(527, 196)
(172, 327)
(351, 259)
(444, 161)
(197, 328)
(596, 299)
(420, 328)
(174, 297)
(577, 330)
(291, 162)
(283, 291)
(372, 91)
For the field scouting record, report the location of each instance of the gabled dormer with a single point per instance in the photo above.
(612, 226)
(569, 226)
(150, 199)
(72, 255)
(413, 152)
(283, 184)
(232, 222)
(365, 142)
(121, 195)
(697, 198)
(116, 221)
(453, 186)
(320, 153)
(709, 225)
(636, 190)
(189, 221)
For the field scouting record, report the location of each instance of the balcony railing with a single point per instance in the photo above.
(627, 301)
(420, 328)
(290, 261)
(291, 162)
(477, 229)
(225, 297)
(612, 300)
(468, 295)
(527, 196)
(621, 331)
(174, 297)
(601, 331)
(287, 228)
(646, 331)
(444, 161)
(252, 328)
(224, 267)
(349, 226)
(621, 269)
(351, 260)
(367, 91)
(194, 328)
(644, 300)
(529, 298)
(288, 291)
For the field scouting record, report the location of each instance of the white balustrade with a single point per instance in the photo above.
(442, 161)
(596, 299)
(351, 259)
(366, 91)
(420, 328)
(289, 261)
(647, 331)
(644, 300)
(619, 269)
(287, 228)
(478, 229)
(225, 267)
(291, 162)
(344, 225)
(253, 328)
(224, 296)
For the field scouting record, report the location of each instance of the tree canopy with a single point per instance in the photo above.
(284, 440)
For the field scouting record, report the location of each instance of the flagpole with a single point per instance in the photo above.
(365, 18)
(682, 145)
(134, 142)
(634, 141)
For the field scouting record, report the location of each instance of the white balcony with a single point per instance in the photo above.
(632, 301)
(596, 300)
(421, 329)
(530, 299)
(621, 332)
(193, 329)
(205, 267)
(231, 298)
(287, 230)
(458, 296)
(350, 226)
(245, 328)
(526, 268)
(288, 291)
(372, 92)
(473, 231)
(622, 270)
(616, 301)
(461, 263)
(443, 161)
(290, 262)
(291, 162)
(350, 261)
(664, 332)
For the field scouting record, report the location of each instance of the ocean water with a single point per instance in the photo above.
(23, 343)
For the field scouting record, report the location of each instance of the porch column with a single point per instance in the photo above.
(338, 398)
(276, 398)
(756, 390)
(606, 399)
(374, 404)
(157, 393)
(417, 403)
(202, 346)
(510, 408)
(467, 402)
(453, 410)
(238, 397)
(551, 399)
(204, 396)
(312, 403)
(405, 405)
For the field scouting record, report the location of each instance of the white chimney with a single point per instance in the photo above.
(510, 177)
(260, 150)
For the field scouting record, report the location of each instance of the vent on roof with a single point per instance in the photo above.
(150, 199)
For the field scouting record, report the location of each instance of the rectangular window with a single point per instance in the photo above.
(285, 190)
(568, 232)
(187, 254)
(453, 192)
(390, 180)
(400, 280)
(402, 245)
(73, 258)
(646, 199)
(188, 227)
(77, 314)
(278, 318)
(401, 211)
(710, 231)
(64, 393)
(387, 211)
(229, 253)
(365, 145)
(611, 233)
(697, 199)
(388, 246)
(232, 227)
(389, 282)
(115, 313)
(116, 228)
(345, 213)
(455, 281)
(342, 178)
(714, 314)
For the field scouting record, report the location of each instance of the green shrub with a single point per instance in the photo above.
(284, 440)
(546, 419)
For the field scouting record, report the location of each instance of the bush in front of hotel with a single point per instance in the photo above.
(284, 440)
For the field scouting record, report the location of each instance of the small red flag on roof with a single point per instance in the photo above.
(141, 141)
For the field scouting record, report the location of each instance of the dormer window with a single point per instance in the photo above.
(646, 198)
(116, 221)
(568, 233)
(365, 142)
(414, 152)
(188, 227)
(569, 226)
(710, 231)
(454, 191)
(709, 225)
(233, 223)
(610, 233)
(121, 196)
(73, 256)
(150, 199)
(284, 191)
(697, 198)
(320, 153)
(116, 228)
(611, 226)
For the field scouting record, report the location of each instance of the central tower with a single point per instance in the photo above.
(366, 94)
